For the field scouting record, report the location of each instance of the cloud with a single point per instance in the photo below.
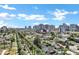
(78, 24)
(46, 23)
(3, 23)
(32, 17)
(7, 16)
(67, 23)
(37, 23)
(74, 12)
(12, 15)
(7, 7)
(12, 26)
(3, 15)
(61, 14)
(56, 26)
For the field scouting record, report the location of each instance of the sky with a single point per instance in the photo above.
(21, 15)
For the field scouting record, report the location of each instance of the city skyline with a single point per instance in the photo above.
(21, 15)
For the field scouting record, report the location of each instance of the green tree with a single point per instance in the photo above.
(53, 35)
(37, 42)
(71, 38)
(4, 43)
(12, 40)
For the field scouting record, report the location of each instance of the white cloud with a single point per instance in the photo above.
(12, 26)
(78, 24)
(3, 15)
(56, 26)
(32, 17)
(74, 12)
(3, 23)
(6, 16)
(36, 17)
(46, 23)
(12, 15)
(61, 14)
(7, 7)
(22, 15)
(37, 23)
(67, 23)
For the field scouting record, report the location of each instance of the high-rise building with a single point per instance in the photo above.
(36, 27)
(41, 26)
(46, 27)
(25, 27)
(74, 27)
(29, 27)
(63, 28)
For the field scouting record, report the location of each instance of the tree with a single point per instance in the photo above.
(4, 43)
(37, 42)
(4, 29)
(32, 48)
(12, 40)
(4, 40)
(53, 35)
(67, 44)
(71, 38)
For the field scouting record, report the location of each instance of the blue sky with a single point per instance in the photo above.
(21, 15)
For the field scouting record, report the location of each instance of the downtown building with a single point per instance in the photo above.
(68, 28)
(63, 28)
(44, 28)
(74, 27)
